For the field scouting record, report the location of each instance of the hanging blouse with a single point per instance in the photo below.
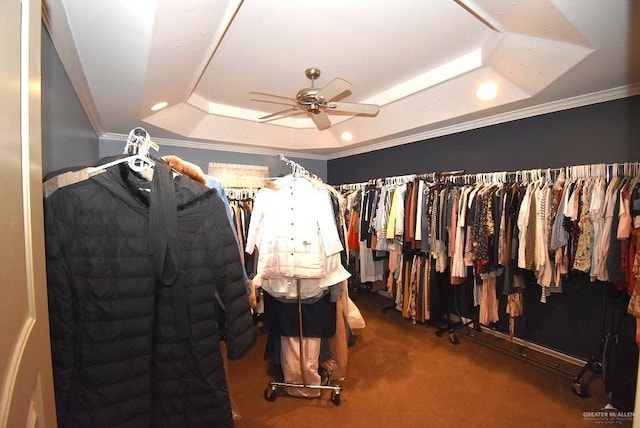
(523, 222)
(624, 226)
(293, 228)
(583, 250)
(382, 217)
(421, 190)
(602, 251)
(395, 226)
(458, 267)
(559, 236)
(613, 258)
(596, 217)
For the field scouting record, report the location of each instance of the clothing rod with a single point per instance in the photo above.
(577, 171)
(398, 179)
(574, 171)
(458, 172)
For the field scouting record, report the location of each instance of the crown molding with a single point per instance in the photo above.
(552, 107)
(254, 150)
(55, 21)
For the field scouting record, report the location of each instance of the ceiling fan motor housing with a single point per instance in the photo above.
(309, 100)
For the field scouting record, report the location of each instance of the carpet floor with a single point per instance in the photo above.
(402, 374)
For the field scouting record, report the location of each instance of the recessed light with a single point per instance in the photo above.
(487, 91)
(346, 136)
(159, 106)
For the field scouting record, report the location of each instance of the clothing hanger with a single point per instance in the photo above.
(137, 146)
(137, 163)
(298, 170)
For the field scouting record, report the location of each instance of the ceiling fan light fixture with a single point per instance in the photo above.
(346, 136)
(317, 102)
(487, 91)
(159, 106)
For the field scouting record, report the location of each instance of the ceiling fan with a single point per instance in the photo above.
(317, 102)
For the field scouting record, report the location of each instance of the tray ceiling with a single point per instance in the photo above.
(420, 61)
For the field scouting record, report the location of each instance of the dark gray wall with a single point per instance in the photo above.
(606, 132)
(202, 157)
(68, 139)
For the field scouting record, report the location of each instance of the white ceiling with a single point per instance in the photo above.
(421, 61)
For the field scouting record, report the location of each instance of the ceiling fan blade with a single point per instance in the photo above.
(272, 95)
(273, 102)
(321, 119)
(278, 113)
(294, 112)
(355, 108)
(333, 89)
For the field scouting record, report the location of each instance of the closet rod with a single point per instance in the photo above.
(398, 179)
(450, 173)
(574, 171)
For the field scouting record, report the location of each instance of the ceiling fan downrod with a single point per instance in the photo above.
(307, 97)
(312, 74)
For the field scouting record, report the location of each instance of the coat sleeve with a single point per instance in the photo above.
(327, 224)
(239, 330)
(61, 308)
(255, 225)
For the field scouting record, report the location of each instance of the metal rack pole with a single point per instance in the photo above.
(300, 335)
(270, 392)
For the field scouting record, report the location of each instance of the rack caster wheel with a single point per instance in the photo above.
(454, 339)
(270, 394)
(335, 398)
(596, 367)
(580, 390)
(439, 333)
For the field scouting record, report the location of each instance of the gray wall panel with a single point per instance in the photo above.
(68, 139)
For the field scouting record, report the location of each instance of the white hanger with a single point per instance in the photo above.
(140, 163)
(138, 145)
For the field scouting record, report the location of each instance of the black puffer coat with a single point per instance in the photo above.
(132, 290)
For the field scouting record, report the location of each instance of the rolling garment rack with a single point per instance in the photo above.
(399, 180)
(270, 391)
(451, 327)
(597, 362)
(471, 327)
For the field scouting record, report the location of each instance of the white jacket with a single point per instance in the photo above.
(293, 227)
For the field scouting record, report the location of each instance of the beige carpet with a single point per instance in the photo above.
(403, 375)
